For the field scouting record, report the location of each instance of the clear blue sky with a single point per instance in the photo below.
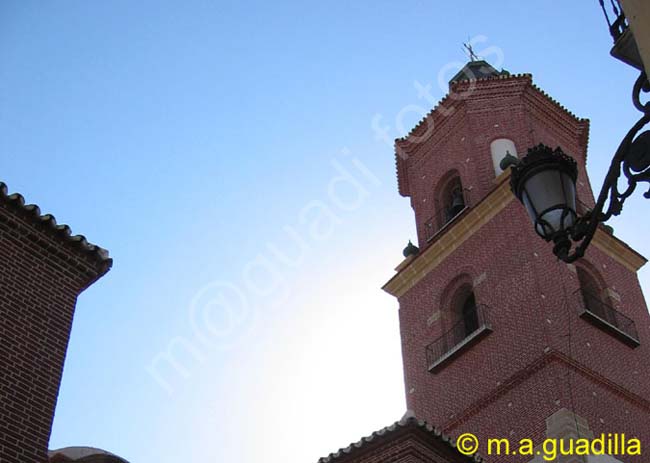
(199, 142)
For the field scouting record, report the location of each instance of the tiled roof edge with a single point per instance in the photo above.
(408, 421)
(430, 114)
(63, 233)
(559, 105)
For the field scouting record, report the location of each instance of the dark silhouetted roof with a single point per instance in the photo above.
(475, 70)
(83, 455)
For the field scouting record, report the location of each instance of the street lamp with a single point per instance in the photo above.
(544, 180)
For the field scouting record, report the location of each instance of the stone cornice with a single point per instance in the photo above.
(464, 227)
(410, 273)
(618, 250)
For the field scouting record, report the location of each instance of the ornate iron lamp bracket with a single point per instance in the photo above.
(632, 158)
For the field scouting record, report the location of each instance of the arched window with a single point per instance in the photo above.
(450, 199)
(592, 292)
(597, 307)
(499, 148)
(463, 321)
(464, 317)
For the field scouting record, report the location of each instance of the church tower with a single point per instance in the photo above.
(499, 338)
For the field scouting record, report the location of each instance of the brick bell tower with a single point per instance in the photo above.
(499, 338)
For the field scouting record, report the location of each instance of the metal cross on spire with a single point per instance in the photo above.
(470, 51)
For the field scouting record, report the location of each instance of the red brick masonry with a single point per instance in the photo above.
(43, 268)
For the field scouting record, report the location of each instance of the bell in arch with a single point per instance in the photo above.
(457, 203)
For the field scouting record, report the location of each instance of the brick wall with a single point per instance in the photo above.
(42, 271)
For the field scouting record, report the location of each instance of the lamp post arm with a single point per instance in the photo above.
(632, 155)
